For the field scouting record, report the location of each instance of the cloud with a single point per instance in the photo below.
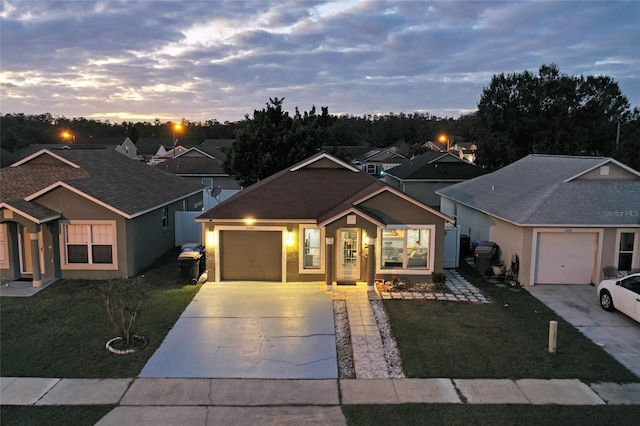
(221, 60)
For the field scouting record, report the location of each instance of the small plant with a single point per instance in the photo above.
(439, 280)
(123, 299)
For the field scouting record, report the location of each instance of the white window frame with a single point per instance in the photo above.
(4, 246)
(635, 256)
(65, 265)
(301, 267)
(209, 181)
(428, 270)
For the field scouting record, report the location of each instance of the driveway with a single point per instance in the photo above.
(251, 330)
(579, 305)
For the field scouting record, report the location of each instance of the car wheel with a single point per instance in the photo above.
(606, 301)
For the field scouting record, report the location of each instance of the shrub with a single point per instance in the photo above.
(123, 299)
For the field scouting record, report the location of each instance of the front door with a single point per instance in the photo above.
(348, 256)
(24, 251)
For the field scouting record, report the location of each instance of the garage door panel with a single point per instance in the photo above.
(251, 255)
(565, 258)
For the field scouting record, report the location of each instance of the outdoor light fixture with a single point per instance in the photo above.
(290, 238)
(211, 238)
(249, 221)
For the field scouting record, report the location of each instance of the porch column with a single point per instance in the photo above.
(328, 263)
(371, 255)
(35, 258)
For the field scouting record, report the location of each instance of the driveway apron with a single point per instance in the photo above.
(579, 306)
(251, 330)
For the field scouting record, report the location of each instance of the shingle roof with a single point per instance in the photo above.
(128, 186)
(314, 190)
(435, 166)
(183, 166)
(542, 190)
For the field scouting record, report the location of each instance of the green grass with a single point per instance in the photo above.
(53, 415)
(62, 330)
(507, 339)
(493, 415)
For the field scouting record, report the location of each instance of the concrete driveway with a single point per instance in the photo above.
(251, 330)
(579, 305)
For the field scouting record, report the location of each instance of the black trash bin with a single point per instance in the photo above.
(484, 255)
(191, 261)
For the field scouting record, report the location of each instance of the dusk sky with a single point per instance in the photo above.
(203, 60)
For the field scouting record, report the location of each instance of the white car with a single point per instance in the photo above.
(622, 294)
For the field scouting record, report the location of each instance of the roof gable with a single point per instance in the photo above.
(435, 166)
(45, 156)
(323, 161)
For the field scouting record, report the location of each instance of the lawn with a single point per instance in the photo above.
(64, 415)
(62, 330)
(494, 415)
(507, 339)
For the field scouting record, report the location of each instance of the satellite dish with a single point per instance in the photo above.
(214, 191)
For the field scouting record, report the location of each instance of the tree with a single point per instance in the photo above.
(550, 113)
(272, 140)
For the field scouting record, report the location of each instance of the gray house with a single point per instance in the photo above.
(87, 213)
(565, 217)
(423, 175)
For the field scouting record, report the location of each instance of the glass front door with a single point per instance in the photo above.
(348, 256)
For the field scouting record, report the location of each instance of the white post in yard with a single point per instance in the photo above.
(553, 336)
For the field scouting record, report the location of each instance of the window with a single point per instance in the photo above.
(625, 251)
(311, 249)
(207, 182)
(406, 248)
(89, 244)
(165, 217)
(371, 169)
(4, 248)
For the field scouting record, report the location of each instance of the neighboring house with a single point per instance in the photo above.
(203, 165)
(423, 175)
(564, 217)
(376, 161)
(466, 151)
(435, 146)
(86, 214)
(129, 149)
(322, 220)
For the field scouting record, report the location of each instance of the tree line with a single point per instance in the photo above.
(518, 114)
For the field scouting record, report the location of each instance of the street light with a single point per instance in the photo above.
(445, 138)
(66, 135)
(174, 127)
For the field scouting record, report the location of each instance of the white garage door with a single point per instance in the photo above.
(565, 258)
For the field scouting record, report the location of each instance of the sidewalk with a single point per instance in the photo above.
(258, 392)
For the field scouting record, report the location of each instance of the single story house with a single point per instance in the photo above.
(322, 220)
(423, 175)
(564, 217)
(86, 213)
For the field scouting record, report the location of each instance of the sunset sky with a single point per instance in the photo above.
(203, 60)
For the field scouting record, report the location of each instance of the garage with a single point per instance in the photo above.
(566, 257)
(250, 255)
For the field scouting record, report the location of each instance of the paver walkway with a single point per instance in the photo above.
(366, 342)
